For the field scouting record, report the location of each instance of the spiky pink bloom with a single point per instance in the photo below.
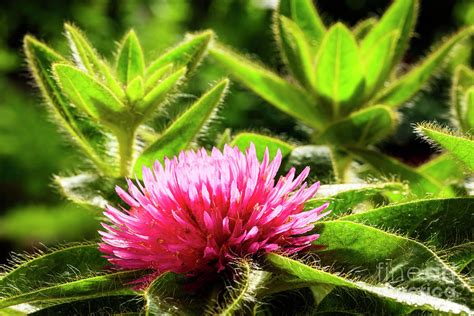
(201, 211)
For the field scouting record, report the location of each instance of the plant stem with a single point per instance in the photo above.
(126, 140)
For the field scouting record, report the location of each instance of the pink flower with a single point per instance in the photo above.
(200, 211)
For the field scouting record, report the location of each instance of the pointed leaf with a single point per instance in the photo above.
(409, 84)
(361, 128)
(277, 91)
(339, 76)
(185, 129)
(261, 142)
(88, 60)
(187, 54)
(469, 110)
(399, 17)
(87, 93)
(361, 29)
(443, 169)
(462, 97)
(404, 300)
(130, 60)
(296, 51)
(420, 184)
(462, 148)
(318, 158)
(305, 15)
(135, 90)
(40, 60)
(156, 76)
(442, 222)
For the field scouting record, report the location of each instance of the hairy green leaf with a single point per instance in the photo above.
(318, 158)
(442, 222)
(361, 29)
(402, 299)
(339, 77)
(443, 169)
(419, 183)
(344, 198)
(261, 142)
(462, 97)
(462, 148)
(187, 54)
(399, 17)
(179, 135)
(285, 96)
(87, 93)
(461, 257)
(405, 87)
(135, 90)
(157, 76)
(85, 134)
(360, 128)
(130, 60)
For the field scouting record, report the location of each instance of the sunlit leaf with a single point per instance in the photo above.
(179, 135)
(361, 29)
(462, 100)
(443, 169)
(135, 90)
(339, 76)
(261, 142)
(130, 60)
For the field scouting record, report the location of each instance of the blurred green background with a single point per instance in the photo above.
(32, 150)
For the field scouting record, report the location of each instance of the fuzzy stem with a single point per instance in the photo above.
(126, 140)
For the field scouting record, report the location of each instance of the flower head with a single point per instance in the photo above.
(200, 211)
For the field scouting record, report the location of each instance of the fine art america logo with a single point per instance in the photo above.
(415, 279)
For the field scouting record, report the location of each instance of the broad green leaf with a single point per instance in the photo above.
(402, 299)
(296, 51)
(318, 158)
(135, 90)
(462, 98)
(166, 296)
(87, 59)
(360, 128)
(461, 257)
(106, 305)
(399, 17)
(130, 60)
(184, 129)
(161, 91)
(385, 258)
(419, 183)
(274, 89)
(187, 54)
(443, 169)
(377, 62)
(462, 148)
(40, 59)
(40, 270)
(261, 142)
(89, 189)
(409, 84)
(87, 93)
(361, 29)
(304, 14)
(339, 76)
(442, 222)
(344, 198)
(241, 292)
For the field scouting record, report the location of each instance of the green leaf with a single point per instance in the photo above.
(87, 93)
(261, 142)
(166, 296)
(130, 60)
(305, 15)
(360, 128)
(402, 299)
(135, 90)
(40, 60)
(462, 148)
(161, 91)
(377, 62)
(469, 111)
(87, 59)
(361, 29)
(318, 158)
(399, 17)
(441, 222)
(462, 98)
(419, 183)
(339, 76)
(187, 54)
(461, 257)
(296, 51)
(283, 95)
(156, 76)
(443, 169)
(344, 198)
(179, 135)
(409, 84)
